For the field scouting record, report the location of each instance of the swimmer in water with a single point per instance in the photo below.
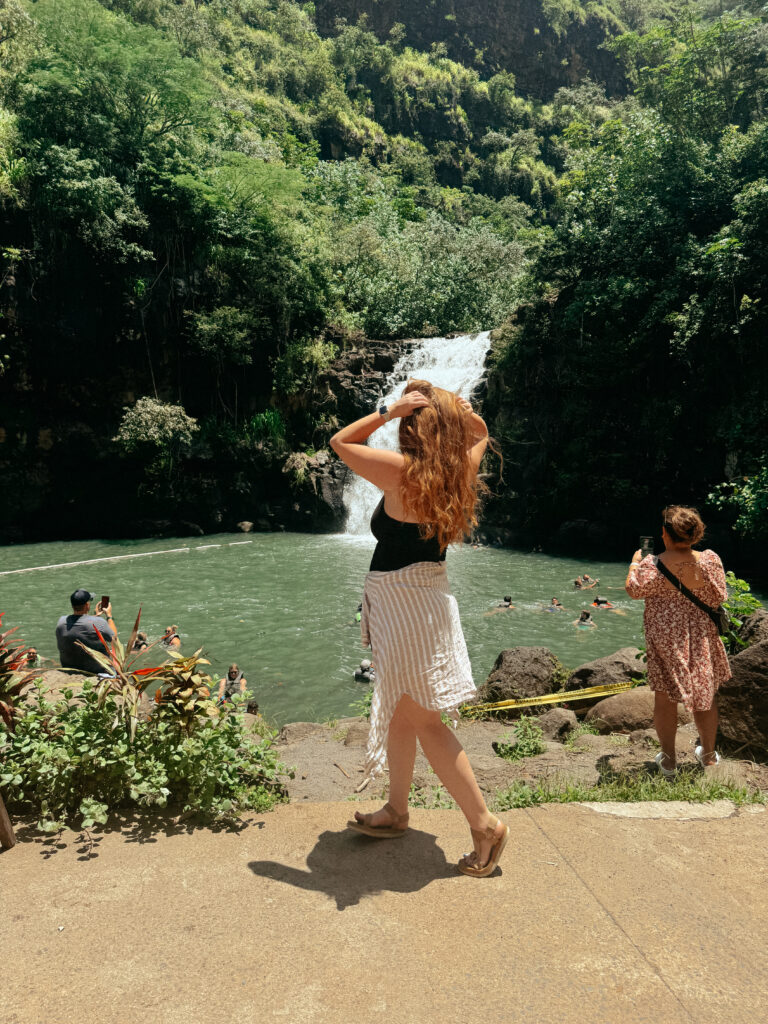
(505, 606)
(554, 606)
(585, 621)
(577, 583)
(601, 602)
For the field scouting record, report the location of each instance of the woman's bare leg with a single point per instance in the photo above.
(706, 723)
(401, 756)
(665, 723)
(448, 759)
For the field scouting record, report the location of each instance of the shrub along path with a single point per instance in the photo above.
(591, 917)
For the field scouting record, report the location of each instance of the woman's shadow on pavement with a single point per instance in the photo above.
(347, 866)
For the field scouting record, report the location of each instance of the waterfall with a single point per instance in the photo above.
(455, 364)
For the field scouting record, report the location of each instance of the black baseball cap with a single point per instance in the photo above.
(80, 597)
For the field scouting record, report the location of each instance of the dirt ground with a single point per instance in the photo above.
(328, 759)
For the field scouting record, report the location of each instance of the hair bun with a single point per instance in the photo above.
(683, 523)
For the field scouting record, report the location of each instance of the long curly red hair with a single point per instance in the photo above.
(439, 487)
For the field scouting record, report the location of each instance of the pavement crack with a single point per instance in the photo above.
(611, 917)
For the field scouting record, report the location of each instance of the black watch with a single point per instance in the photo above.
(384, 412)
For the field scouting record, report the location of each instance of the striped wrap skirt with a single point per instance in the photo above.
(410, 620)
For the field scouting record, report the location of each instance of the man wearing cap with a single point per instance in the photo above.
(80, 628)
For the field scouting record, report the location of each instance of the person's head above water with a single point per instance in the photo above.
(232, 670)
(507, 600)
(585, 616)
(681, 525)
(439, 486)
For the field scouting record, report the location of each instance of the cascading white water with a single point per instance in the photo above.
(455, 364)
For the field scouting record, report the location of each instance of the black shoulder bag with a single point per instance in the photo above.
(720, 615)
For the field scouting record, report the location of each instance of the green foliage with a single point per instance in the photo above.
(155, 425)
(431, 798)
(14, 677)
(656, 269)
(75, 761)
(363, 706)
(205, 194)
(747, 499)
(298, 365)
(571, 741)
(741, 601)
(265, 426)
(122, 86)
(527, 742)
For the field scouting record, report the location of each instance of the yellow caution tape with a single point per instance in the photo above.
(564, 697)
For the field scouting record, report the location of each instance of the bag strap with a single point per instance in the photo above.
(702, 605)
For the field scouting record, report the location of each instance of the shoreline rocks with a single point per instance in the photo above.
(630, 711)
(743, 700)
(520, 672)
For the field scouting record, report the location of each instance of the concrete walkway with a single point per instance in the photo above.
(591, 918)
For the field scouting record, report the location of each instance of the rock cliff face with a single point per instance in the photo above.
(545, 47)
(351, 387)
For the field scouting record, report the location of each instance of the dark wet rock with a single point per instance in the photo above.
(191, 529)
(518, 673)
(621, 667)
(743, 700)
(755, 627)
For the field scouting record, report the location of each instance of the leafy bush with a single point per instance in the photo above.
(75, 761)
(13, 677)
(265, 426)
(527, 742)
(363, 706)
(153, 424)
(748, 499)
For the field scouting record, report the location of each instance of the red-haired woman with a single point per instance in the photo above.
(410, 617)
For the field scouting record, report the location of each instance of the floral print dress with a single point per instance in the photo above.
(686, 657)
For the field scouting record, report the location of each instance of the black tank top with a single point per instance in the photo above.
(400, 544)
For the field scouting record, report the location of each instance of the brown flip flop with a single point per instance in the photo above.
(382, 831)
(493, 857)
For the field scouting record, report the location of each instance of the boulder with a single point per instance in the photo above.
(518, 673)
(557, 723)
(57, 680)
(743, 700)
(620, 667)
(628, 712)
(755, 627)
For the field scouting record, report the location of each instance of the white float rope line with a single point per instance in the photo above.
(121, 558)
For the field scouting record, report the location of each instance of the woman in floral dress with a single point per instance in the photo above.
(686, 657)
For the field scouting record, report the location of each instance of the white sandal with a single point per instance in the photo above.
(699, 752)
(668, 773)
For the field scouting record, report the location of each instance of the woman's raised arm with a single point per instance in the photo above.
(381, 467)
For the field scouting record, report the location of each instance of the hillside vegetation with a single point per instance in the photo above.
(203, 202)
